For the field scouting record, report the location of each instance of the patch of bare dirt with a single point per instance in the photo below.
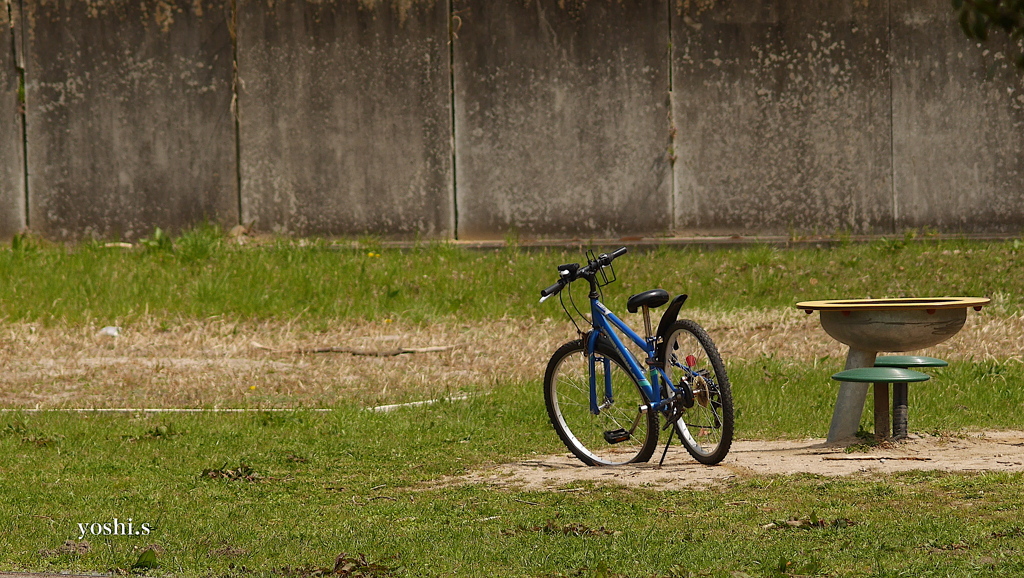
(988, 451)
(219, 363)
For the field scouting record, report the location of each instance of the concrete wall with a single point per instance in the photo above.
(561, 118)
(782, 113)
(129, 115)
(12, 174)
(477, 118)
(345, 123)
(958, 126)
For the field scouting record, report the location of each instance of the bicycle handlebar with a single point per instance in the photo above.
(573, 271)
(617, 253)
(545, 293)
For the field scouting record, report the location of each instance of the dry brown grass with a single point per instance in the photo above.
(219, 363)
(215, 363)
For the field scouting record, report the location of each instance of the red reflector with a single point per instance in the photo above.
(691, 361)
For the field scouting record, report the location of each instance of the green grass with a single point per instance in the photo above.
(316, 485)
(201, 274)
(779, 397)
(357, 482)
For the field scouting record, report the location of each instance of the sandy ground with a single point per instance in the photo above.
(979, 452)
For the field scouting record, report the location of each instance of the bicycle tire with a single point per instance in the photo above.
(567, 396)
(709, 421)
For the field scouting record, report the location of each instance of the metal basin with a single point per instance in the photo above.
(893, 324)
(893, 330)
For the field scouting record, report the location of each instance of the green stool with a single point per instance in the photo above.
(882, 377)
(899, 390)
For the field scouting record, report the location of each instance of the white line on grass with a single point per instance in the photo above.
(394, 406)
(158, 409)
(379, 408)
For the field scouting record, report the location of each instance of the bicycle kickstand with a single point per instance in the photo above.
(671, 431)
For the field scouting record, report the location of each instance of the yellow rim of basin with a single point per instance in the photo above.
(897, 303)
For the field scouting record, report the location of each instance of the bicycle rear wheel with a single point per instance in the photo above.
(620, 432)
(706, 428)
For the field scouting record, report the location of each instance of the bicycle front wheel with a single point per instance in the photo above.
(616, 428)
(706, 428)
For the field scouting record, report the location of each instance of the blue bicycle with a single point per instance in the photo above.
(602, 403)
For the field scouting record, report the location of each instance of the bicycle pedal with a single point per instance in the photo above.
(616, 435)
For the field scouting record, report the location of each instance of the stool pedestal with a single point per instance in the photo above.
(899, 411)
(882, 411)
(881, 377)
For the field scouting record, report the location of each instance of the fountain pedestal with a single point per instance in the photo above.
(869, 326)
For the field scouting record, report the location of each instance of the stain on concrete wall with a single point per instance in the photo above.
(958, 126)
(12, 174)
(782, 113)
(129, 116)
(345, 116)
(561, 118)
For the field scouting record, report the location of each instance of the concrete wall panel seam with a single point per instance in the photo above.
(673, 215)
(892, 140)
(12, 166)
(454, 25)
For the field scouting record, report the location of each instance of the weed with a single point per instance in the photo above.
(162, 431)
(160, 242)
(242, 472)
(789, 568)
(809, 523)
(146, 561)
(23, 243)
(17, 427)
(200, 243)
(869, 442)
(1012, 532)
(41, 441)
(553, 527)
(344, 565)
(69, 547)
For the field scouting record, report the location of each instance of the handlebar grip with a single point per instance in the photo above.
(606, 259)
(552, 290)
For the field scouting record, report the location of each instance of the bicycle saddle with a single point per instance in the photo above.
(653, 298)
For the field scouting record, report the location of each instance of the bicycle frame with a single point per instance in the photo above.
(605, 322)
